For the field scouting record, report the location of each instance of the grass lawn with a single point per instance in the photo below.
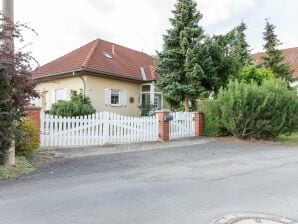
(21, 167)
(288, 140)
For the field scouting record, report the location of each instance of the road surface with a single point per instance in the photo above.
(192, 184)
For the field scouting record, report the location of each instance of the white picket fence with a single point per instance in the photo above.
(96, 129)
(182, 125)
(106, 128)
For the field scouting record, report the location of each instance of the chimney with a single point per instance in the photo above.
(113, 49)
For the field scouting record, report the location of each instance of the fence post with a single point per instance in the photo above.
(163, 125)
(199, 127)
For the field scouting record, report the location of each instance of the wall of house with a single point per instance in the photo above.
(96, 90)
(47, 90)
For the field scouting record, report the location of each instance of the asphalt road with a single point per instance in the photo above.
(194, 184)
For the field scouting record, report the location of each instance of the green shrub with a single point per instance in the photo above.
(252, 73)
(78, 105)
(258, 111)
(212, 118)
(27, 139)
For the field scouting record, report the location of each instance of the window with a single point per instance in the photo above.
(115, 97)
(156, 102)
(60, 94)
(107, 55)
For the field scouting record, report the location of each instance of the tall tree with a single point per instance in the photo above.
(241, 49)
(178, 84)
(274, 58)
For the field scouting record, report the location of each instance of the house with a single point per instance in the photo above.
(116, 78)
(291, 57)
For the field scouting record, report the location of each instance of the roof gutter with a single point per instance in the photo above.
(74, 72)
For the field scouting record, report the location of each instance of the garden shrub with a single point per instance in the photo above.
(249, 110)
(78, 105)
(252, 73)
(212, 118)
(27, 138)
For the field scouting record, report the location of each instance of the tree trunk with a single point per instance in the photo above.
(9, 155)
(186, 104)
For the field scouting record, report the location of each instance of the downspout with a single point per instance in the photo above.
(83, 80)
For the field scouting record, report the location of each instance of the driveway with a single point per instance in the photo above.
(190, 184)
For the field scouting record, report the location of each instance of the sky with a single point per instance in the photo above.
(64, 25)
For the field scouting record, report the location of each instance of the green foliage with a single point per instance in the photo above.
(241, 49)
(27, 141)
(78, 105)
(177, 82)
(16, 85)
(258, 111)
(252, 73)
(219, 58)
(274, 59)
(212, 118)
(146, 108)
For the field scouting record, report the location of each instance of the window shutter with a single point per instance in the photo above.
(107, 97)
(123, 98)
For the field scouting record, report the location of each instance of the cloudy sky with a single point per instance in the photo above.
(63, 25)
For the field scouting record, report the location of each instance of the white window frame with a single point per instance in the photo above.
(119, 98)
(62, 96)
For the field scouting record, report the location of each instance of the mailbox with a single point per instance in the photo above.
(168, 117)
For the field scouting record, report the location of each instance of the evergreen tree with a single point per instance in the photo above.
(242, 51)
(274, 59)
(177, 83)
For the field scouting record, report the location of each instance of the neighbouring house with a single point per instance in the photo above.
(117, 79)
(291, 57)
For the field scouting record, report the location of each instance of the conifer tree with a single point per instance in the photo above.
(178, 84)
(242, 51)
(274, 58)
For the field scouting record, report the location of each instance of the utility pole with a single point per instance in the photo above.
(8, 12)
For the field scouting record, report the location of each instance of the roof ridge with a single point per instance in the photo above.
(283, 49)
(131, 49)
(85, 63)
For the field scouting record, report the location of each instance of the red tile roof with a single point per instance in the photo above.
(291, 57)
(125, 62)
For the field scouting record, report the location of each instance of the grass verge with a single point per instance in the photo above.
(22, 166)
(288, 140)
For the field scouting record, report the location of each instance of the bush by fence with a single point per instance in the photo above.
(212, 118)
(27, 139)
(258, 111)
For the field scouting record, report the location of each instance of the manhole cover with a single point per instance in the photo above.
(252, 219)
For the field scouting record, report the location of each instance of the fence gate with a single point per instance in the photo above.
(182, 125)
(96, 129)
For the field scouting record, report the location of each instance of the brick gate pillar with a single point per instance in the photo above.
(34, 114)
(199, 127)
(163, 125)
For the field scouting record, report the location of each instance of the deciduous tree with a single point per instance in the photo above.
(16, 85)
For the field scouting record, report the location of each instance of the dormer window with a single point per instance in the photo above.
(107, 55)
